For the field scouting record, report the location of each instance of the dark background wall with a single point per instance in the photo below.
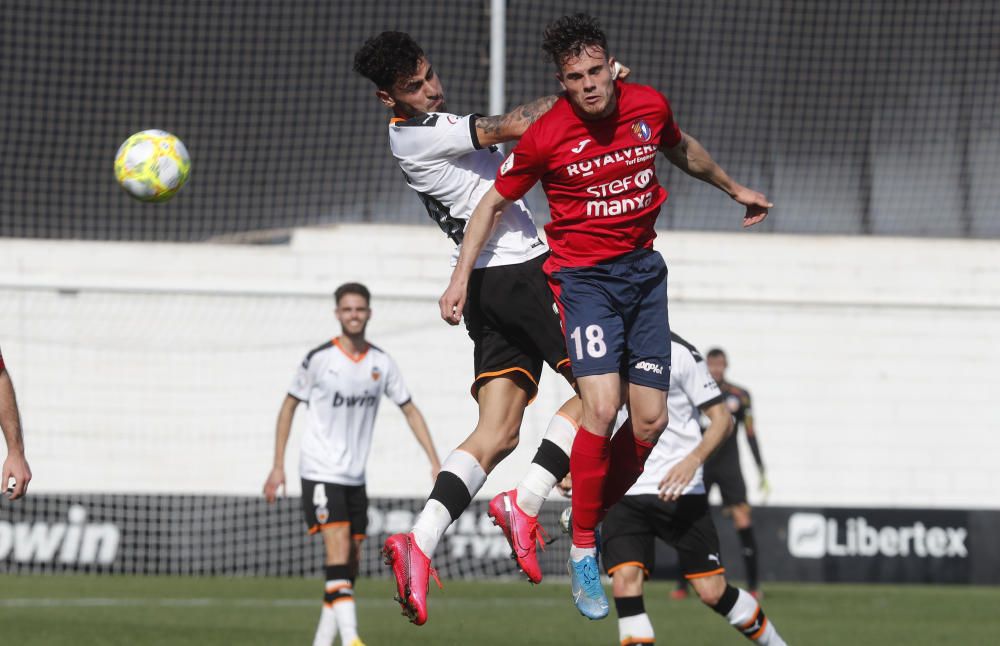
(854, 116)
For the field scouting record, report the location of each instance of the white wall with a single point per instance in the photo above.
(154, 367)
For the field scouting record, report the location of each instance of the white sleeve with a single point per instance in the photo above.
(696, 381)
(301, 382)
(395, 389)
(437, 135)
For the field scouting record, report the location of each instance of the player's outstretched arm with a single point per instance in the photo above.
(419, 427)
(680, 475)
(15, 465)
(502, 128)
(508, 127)
(276, 479)
(692, 158)
(477, 232)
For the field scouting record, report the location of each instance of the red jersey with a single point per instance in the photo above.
(599, 176)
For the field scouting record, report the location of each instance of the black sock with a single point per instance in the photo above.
(450, 491)
(749, 555)
(727, 600)
(553, 459)
(629, 606)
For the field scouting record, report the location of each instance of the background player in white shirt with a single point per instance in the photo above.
(451, 161)
(342, 383)
(15, 466)
(669, 501)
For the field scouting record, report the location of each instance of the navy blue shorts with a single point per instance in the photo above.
(615, 318)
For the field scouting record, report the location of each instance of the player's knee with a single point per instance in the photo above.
(627, 581)
(648, 428)
(601, 414)
(710, 589)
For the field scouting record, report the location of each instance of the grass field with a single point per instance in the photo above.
(82, 610)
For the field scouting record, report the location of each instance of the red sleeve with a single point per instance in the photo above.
(670, 136)
(1, 361)
(521, 170)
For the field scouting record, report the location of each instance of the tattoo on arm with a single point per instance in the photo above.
(513, 124)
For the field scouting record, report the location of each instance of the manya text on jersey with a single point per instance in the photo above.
(74, 543)
(627, 156)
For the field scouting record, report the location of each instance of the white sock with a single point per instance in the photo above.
(631, 629)
(580, 553)
(430, 526)
(436, 515)
(537, 483)
(347, 619)
(747, 617)
(326, 631)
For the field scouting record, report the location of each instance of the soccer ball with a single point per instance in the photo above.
(152, 165)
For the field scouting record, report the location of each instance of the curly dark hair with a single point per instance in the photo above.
(568, 36)
(386, 58)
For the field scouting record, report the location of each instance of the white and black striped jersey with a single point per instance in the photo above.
(343, 393)
(691, 389)
(443, 162)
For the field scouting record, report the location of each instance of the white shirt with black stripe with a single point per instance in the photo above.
(691, 388)
(343, 393)
(443, 162)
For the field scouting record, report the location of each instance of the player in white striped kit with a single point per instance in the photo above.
(342, 382)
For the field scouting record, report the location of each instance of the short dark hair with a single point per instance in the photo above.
(386, 58)
(716, 352)
(568, 36)
(352, 288)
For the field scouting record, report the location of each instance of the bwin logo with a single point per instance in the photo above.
(649, 367)
(813, 536)
(354, 400)
(72, 543)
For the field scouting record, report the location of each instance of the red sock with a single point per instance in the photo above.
(588, 464)
(628, 456)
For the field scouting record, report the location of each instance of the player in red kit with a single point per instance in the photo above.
(594, 153)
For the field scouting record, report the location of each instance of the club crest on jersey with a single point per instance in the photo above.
(322, 514)
(376, 373)
(507, 164)
(641, 131)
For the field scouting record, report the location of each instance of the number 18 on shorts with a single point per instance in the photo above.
(615, 318)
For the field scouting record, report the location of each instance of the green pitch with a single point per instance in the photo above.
(84, 610)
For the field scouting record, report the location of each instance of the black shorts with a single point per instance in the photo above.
(326, 504)
(513, 321)
(631, 527)
(723, 469)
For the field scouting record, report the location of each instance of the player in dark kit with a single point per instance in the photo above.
(594, 153)
(724, 470)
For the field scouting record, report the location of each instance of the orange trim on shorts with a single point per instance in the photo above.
(316, 529)
(638, 564)
(396, 119)
(499, 373)
(702, 575)
(359, 537)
